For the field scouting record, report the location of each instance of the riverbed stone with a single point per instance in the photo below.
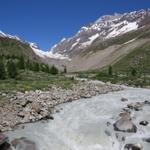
(124, 124)
(144, 123)
(147, 102)
(36, 107)
(25, 103)
(135, 106)
(124, 99)
(4, 145)
(23, 144)
(137, 146)
(146, 140)
(3, 138)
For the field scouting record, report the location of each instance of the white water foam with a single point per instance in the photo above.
(82, 125)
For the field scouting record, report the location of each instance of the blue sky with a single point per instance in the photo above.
(46, 22)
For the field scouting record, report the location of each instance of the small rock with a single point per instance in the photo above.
(22, 127)
(146, 140)
(36, 107)
(21, 114)
(123, 138)
(4, 94)
(137, 106)
(133, 147)
(57, 111)
(124, 99)
(25, 103)
(127, 110)
(48, 117)
(107, 133)
(108, 123)
(144, 123)
(23, 144)
(147, 102)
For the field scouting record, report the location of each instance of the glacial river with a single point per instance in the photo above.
(83, 124)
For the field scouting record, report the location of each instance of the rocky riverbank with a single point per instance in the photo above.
(114, 121)
(37, 105)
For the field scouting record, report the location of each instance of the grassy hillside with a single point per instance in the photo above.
(133, 69)
(138, 59)
(22, 70)
(13, 47)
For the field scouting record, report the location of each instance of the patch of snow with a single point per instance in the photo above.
(84, 28)
(111, 18)
(57, 56)
(48, 54)
(119, 24)
(128, 26)
(129, 41)
(77, 41)
(54, 46)
(37, 50)
(2, 34)
(64, 50)
(63, 39)
(91, 39)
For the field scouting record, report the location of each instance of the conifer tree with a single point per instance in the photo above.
(53, 70)
(65, 69)
(21, 63)
(47, 70)
(2, 70)
(36, 67)
(28, 65)
(11, 69)
(133, 71)
(110, 71)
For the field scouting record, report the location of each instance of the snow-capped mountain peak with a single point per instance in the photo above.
(2, 34)
(46, 54)
(104, 28)
(35, 48)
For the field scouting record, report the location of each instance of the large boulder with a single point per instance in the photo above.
(124, 124)
(3, 139)
(23, 144)
(4, 145)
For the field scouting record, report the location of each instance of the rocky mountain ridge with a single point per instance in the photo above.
(104, 42)
(104, 28)
(36, 49)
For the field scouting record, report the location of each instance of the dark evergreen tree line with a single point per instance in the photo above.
(9, 66)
